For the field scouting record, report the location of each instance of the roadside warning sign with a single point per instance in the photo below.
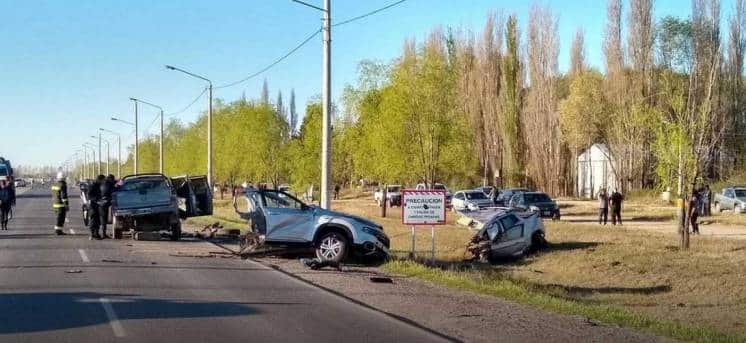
(423, 207)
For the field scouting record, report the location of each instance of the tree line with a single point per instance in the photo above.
(468, 107)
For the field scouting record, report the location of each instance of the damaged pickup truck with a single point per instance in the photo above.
(154, 202)
(279, 221)
(507, 233)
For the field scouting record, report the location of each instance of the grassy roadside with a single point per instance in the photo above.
(495, 284)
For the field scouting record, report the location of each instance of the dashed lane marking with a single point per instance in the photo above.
(83, 255)
(116, 326)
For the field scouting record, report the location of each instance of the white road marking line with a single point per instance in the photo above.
(72, 231)
(116, 326)
(83, 255)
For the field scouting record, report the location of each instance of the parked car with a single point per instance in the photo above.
(486, 190)
(541, 202)
(731, 198)
(439, 187)
(509, 233)
(503, 199)
(283, 221)
(470, 200)
(20, 183)
(393, 195)
(153, 202)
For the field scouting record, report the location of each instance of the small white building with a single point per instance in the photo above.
(595, 170)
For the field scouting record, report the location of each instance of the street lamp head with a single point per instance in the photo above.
(94, 137)
(170, 67)
(133, 99)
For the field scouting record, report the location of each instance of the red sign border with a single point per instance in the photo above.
(445, 204)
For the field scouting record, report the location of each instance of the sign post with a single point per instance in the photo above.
(423, 207)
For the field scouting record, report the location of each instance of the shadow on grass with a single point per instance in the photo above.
(575, 290)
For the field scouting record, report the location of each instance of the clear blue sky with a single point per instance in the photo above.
(67, 66)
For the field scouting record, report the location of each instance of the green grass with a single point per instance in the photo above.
(496, 284)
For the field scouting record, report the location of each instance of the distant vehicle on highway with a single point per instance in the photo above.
(393, 195)
(19, 183)
(470, 200)
(539, 201)
(731, 199)
(153, 202)
(280, 220)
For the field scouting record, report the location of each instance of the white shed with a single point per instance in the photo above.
(595, 167)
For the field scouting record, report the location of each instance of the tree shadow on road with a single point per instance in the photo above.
(35, 312)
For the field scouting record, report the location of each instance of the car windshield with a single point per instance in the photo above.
(144, 185)
(740, 193)
(475, 196)
(3, 170)
(534, 198)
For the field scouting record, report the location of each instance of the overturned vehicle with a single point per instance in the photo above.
(154, 202)
(279, 221)
(506, 233)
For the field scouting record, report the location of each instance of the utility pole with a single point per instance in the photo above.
(161, 145)
(100, 160)
(136, 138)
(119, 150)
(326, 146)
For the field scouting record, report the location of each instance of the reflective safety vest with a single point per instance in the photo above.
(59, 195)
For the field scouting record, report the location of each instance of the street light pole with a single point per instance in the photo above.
(160, 163)
(136, 136)
(326, 146)
(119, 150)
(100, 159)
(209, 119)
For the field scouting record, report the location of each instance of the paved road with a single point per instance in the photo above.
(70, 289)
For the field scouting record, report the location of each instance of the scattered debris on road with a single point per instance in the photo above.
(73, 271)
(380, 279)
(112, 261)
(316, 264)
(209, 231)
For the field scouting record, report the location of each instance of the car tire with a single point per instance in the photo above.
(332, 247)
(717, 208)
(176, 231)
(117, 234)
(538, 242)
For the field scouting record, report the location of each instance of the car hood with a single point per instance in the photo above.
(322, 212)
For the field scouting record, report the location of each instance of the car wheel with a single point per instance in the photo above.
(538, 242)
(717, 208)
(117, 234)
(331, 247)
(176, 231)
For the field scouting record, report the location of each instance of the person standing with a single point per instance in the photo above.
(94, 214)
(693, 211)
(603, 206)
(60, 203)
(336, 191)
(616, 207)
(104, 204)
(706, 202)
(5, 203)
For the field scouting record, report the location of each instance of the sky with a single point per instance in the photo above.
(67, 67)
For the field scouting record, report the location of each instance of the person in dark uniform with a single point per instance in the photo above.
(107, 191)
(94, 198)
(616, 207)
(5, 203)
(60, 203)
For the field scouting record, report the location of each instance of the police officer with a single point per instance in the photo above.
(107, 189)
(60, 202)
(94, 197)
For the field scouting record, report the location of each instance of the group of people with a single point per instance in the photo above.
(99, 195)
(613, 200)
(7, 201)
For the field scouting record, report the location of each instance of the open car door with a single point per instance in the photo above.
(194, 196)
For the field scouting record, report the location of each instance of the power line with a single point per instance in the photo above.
(368, 14)
(283, 57)
(187, 106)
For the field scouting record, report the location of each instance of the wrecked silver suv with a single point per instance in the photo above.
(279, 220)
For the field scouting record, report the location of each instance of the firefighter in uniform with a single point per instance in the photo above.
(59, 202)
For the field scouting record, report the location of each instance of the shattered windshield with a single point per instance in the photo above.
(475, 196)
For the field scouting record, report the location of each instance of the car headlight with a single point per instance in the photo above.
(471, 206)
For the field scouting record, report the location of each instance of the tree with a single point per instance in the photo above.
(292, 114)
(577, 53)
(265, 93)
(510, 104)
(279, 105)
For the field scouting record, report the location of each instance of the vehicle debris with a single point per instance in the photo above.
(381, 279)
(73, 271)
(112, 261)
(209, 231)
(316, 263)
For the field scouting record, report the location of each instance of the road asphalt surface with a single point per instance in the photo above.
(70, 289)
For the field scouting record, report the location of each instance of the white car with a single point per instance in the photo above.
(438, 187)
(509, 233)
(470, 200)
(20, 183)
(393, 195)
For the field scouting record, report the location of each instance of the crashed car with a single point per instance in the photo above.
(508, 233)
(280, 221)
(153, 202)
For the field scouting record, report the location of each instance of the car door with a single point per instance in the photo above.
(202, 196)
(288, 219)
(459, 201)
(510, 240)
(728, 202)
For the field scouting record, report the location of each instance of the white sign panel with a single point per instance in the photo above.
(423, 207)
